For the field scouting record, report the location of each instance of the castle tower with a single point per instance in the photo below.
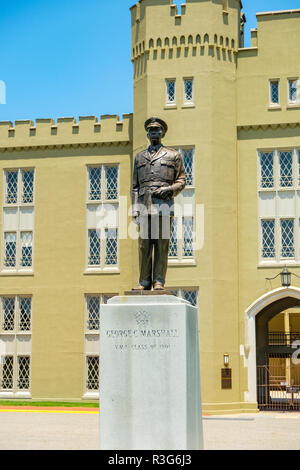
(173, 54)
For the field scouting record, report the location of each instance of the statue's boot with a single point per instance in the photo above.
(158, 286)
(139, 288)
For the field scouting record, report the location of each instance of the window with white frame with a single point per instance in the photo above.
(15, 344)
(15, 314)
(103, 217)
(18, 220)
(293, 91)
(170, 91)
(182, 229)
(188, 91)
(19, 186)
(279, 206)
(274, 92)
(187, 293)
(92, 373)
(92, 327)
(15, 375)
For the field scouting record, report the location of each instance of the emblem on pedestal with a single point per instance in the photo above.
(142, 318)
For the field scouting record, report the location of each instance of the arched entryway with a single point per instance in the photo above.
(268, 352)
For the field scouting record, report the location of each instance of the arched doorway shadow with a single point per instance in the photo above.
(257, 317)
(261, 325)
(273, 380)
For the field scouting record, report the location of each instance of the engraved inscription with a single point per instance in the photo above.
(142, 338)
(142, 333)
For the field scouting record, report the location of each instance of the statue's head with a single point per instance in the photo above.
(156, 129)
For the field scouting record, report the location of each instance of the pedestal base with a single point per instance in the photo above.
(149, 374)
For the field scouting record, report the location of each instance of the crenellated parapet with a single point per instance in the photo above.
(200, 29)
(158, 24)
(195, 44)
(88, 130)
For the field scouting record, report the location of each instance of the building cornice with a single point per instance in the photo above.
(255, 127)
(28, 148)
(279, 12)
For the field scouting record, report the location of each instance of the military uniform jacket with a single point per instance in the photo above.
(152, 171)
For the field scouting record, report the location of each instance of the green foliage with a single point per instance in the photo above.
(56, 404)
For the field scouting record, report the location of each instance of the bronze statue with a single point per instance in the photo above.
(158, 177)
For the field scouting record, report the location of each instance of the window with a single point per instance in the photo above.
(15, 331)
(92, 365)
(187, 293)
(19, 186)
(267, 169)
(286, 169)
(92, 327)
(94, 248)
(171, 92)
(182, 236)
(103, 183)
(287, 238)
(293, 91)
(188, 94)
(15, 314)
(274, 92)
(268, 238)
(188, 162)
(103, 217)
(279, 209)
(15, 374)
(18, 220)
(23, 372)
(93, 312)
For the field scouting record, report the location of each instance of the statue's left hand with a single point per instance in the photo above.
(164, 193)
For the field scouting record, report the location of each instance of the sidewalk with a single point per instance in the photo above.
(77, 429)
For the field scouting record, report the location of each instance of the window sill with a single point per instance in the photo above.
(16, 205)
(98, 202)
(15, 395)
(268, 190)
(274, 107)
(15, 333)
(170, 106)
(91, 396)
(187, 105)
(102, 271)
(293, 106)
(177, 263)
(7, 395)
(276, 264)
(16, 273)
(23, 395)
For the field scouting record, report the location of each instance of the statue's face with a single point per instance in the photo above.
(155, 133)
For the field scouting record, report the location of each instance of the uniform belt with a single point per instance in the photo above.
(158, 184)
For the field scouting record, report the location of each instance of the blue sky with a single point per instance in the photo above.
(72, 57)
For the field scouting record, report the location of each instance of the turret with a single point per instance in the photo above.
(205, 36)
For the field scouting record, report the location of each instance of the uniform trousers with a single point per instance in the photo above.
(154, 241)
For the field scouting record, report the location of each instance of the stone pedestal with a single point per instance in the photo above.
(149, 374)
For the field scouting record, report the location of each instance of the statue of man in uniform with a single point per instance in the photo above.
(158, 177)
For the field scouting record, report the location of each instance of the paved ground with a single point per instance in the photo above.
(67, 429)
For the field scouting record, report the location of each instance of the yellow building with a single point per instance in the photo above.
(234, 113)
